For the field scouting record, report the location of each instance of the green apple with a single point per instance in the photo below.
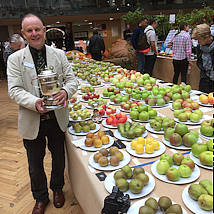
(177, 113)
(188, 88)
(173, 174)
(177, 158)
(189, 139)
(152, 114)
(176, 105)
(185, 95)
(206, 130)
(210, 145)
(189, 162)
(198, 148)
(195, 132)
(197, 111)
(176, 96)
(183, 117)
(140, 82)
(160, 102)
(195, 118)
(166, 157)
(134, 115)
(206, 158)
(144, 116)
(184, 171)
(175, 139)
(181, 129)
(162, 167)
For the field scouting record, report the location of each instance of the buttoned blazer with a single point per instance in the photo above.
(23, 87)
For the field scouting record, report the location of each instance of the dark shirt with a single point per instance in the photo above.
(127, 35)
(7, 52)
(135, 36)
(34, 54)
(96, 44)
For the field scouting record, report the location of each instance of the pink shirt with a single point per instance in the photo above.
(182, 46)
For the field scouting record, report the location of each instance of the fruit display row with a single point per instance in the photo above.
(106, 110)
(108, 92)
(90, 96)
(159, 123)
(119, 98)
(202, 192)
(73, 100)
(79, 114)
(181, 135)
(96, 140)
(75, 107)
(137, 179)
(114, 120)
(204, 99)
(103, 159)
(84, 126)
(186, 105)
(131, 130)
(97, 102)
(165, 166)
(87, 89)
(126, 106)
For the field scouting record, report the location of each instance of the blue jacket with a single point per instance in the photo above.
(135, 36)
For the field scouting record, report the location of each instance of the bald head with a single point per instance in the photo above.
(33, 31)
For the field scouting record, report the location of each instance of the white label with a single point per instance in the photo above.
(28, 64)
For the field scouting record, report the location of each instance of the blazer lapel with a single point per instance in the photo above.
(29, 69)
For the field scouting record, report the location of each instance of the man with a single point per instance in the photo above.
(16, 43)
(181, 45)
(96, 46)
(135, 38)
(151, 55)
(127, 34)
(35, 123)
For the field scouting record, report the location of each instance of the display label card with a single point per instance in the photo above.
(101, 176)
(118, 143)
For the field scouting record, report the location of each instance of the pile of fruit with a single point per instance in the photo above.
(131, 130)
(105, 157)
(138, 179)
(164, 166)
(93, 81)
(87, 89)
(164, 204)
(159, 123)
(204, 99)
(204, 152)
(75, 107)
(186, 105)
(98, 102)
(108, 92)
(142, 112)
(80, 114)
(96, 140)
(203, 194)
(84, 126)
(72, 100)
(106, 110)
(181, 135)
(180, 92)
(207, 128)
(158, 100)
(118, 98)
(149, 145)
(90, 96)
(129, 104)
(114, 120)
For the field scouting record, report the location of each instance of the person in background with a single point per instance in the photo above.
(127, 33)
(151, 55)
(205, 57)
(212, 28)
(96, 46)
(135, 38)
(38, 126)
(181, 45)
(16, 43)
(69, 42)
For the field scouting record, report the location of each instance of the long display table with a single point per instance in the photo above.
(90, 192)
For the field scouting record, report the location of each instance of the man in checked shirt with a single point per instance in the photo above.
(181, 45)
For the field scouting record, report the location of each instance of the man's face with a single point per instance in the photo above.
(144, 23)
(34, 32)
(155, 24)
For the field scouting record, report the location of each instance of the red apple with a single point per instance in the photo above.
(109, 120)
(108, 111)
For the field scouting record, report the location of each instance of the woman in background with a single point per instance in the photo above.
(205, 57)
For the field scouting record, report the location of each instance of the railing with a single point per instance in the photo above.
(17, 8)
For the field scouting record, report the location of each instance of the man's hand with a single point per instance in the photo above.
(39, 106)
(61, 96)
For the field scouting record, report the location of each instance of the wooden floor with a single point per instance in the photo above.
(15, 194)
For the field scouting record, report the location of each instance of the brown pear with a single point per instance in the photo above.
(103, 161)
(114, 161)
(97, 156)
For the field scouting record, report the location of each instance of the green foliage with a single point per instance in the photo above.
(133, 17)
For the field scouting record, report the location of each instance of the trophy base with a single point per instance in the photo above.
(51, 104)
(52, 107)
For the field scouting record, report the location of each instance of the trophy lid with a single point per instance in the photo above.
(46, 73)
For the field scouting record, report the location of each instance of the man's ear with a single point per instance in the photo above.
(23, 34)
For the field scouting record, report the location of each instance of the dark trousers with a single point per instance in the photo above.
(180, 66)
(141, 62)
(149, 63)
(36, 153)
(96, 56)
(206, 85)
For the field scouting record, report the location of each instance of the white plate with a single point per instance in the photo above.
(208, 138)
(112, 103)
(205, 105)
(197, 161)
(81, 93)
(79, 119)
(71, 131)
(157, 153)
(134, 209)
(118, 136)
(141, 121)
(166, 105)
(181, 147)
(150, 129)
(71, 106)
(81, 145)
(188, 122)
(109, 183)
(192, 204)
(90, 107)
(104, 97)
(82, 100)
(195, 175)
(124, 162)
(121, 109)
(98, 86)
